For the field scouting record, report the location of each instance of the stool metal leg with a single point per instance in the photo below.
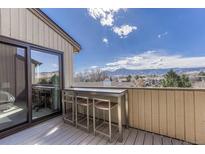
(73, 112)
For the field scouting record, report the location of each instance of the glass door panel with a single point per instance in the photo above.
(45, 69)
(13, 91)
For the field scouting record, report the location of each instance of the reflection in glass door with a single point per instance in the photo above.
(45, 69)
(13, 91)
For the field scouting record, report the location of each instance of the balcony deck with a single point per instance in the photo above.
(56, 132)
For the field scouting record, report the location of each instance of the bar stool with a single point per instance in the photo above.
(84, 102)
(35, 99)
(68, 98)
(104, 105)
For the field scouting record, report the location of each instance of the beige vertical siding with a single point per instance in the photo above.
(155, 111)
(200, 116)
(162, 112)
(189, 118)
(23, 25)
(171, 112)
(179, 114)
(5, 22)
(15, 27)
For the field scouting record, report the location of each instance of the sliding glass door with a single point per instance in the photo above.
(13, 87)
(30, 83)
(46, 81)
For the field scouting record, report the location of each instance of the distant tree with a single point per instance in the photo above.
(54, 79)
(185, 82)
(172, 79)
(97, 75)
(136, 77)
(110, 78)
(43, 81)
(201, 73)
(129, 77)
(94, 75)
(79, 77)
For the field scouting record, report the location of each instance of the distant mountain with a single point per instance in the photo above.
(125, 72)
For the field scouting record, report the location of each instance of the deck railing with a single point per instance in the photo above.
(177, 113)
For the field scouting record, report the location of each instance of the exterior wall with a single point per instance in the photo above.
(22, 24)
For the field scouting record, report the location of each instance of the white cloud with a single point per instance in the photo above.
(94, 67)
(162, 34)
(105, 16)
(55, 65)
(105, 40)
(124, 30)
(155, 60)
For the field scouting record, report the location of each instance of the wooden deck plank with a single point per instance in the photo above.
(140, 138)
(87, 139)
(186, 143)
(115, 137)
(148, 140)
(166, 141)
(99, 137)
(80, 139)
(131, 138)
(157, 139)
(96, 140)
(73, 138)
(104, 140)
(66, 137)
(125, 136)
(176, 142)
(65, 132)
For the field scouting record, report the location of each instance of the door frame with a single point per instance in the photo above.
(60, 56)
(28, 46)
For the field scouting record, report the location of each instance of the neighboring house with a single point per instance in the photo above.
(29, 39)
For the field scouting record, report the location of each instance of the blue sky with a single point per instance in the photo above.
(48, 64)
(135, 38)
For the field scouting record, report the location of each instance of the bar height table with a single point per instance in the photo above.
(118, 93)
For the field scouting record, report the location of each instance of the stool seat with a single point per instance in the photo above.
(104, 105)
(83, 102)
